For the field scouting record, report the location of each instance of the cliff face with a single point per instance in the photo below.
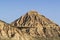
(37, 25)
(31, 26)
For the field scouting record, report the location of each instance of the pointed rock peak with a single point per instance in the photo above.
(32, 18)
(32, 12)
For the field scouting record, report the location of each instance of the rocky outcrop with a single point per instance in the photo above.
(37, 25)
(31, 26)
(8, 32)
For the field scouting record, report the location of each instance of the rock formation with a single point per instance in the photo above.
(31, 26)
(8, 32)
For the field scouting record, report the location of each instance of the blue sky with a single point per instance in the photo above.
(10, 10)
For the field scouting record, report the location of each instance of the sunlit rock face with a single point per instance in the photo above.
(8, 32)
(31, 26)
(37, 25)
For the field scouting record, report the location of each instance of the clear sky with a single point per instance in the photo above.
(10, 10)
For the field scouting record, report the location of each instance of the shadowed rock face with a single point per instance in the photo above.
(31, 26)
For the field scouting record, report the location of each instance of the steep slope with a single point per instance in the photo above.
(31, 26)
(8, 32)
(37, 26)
